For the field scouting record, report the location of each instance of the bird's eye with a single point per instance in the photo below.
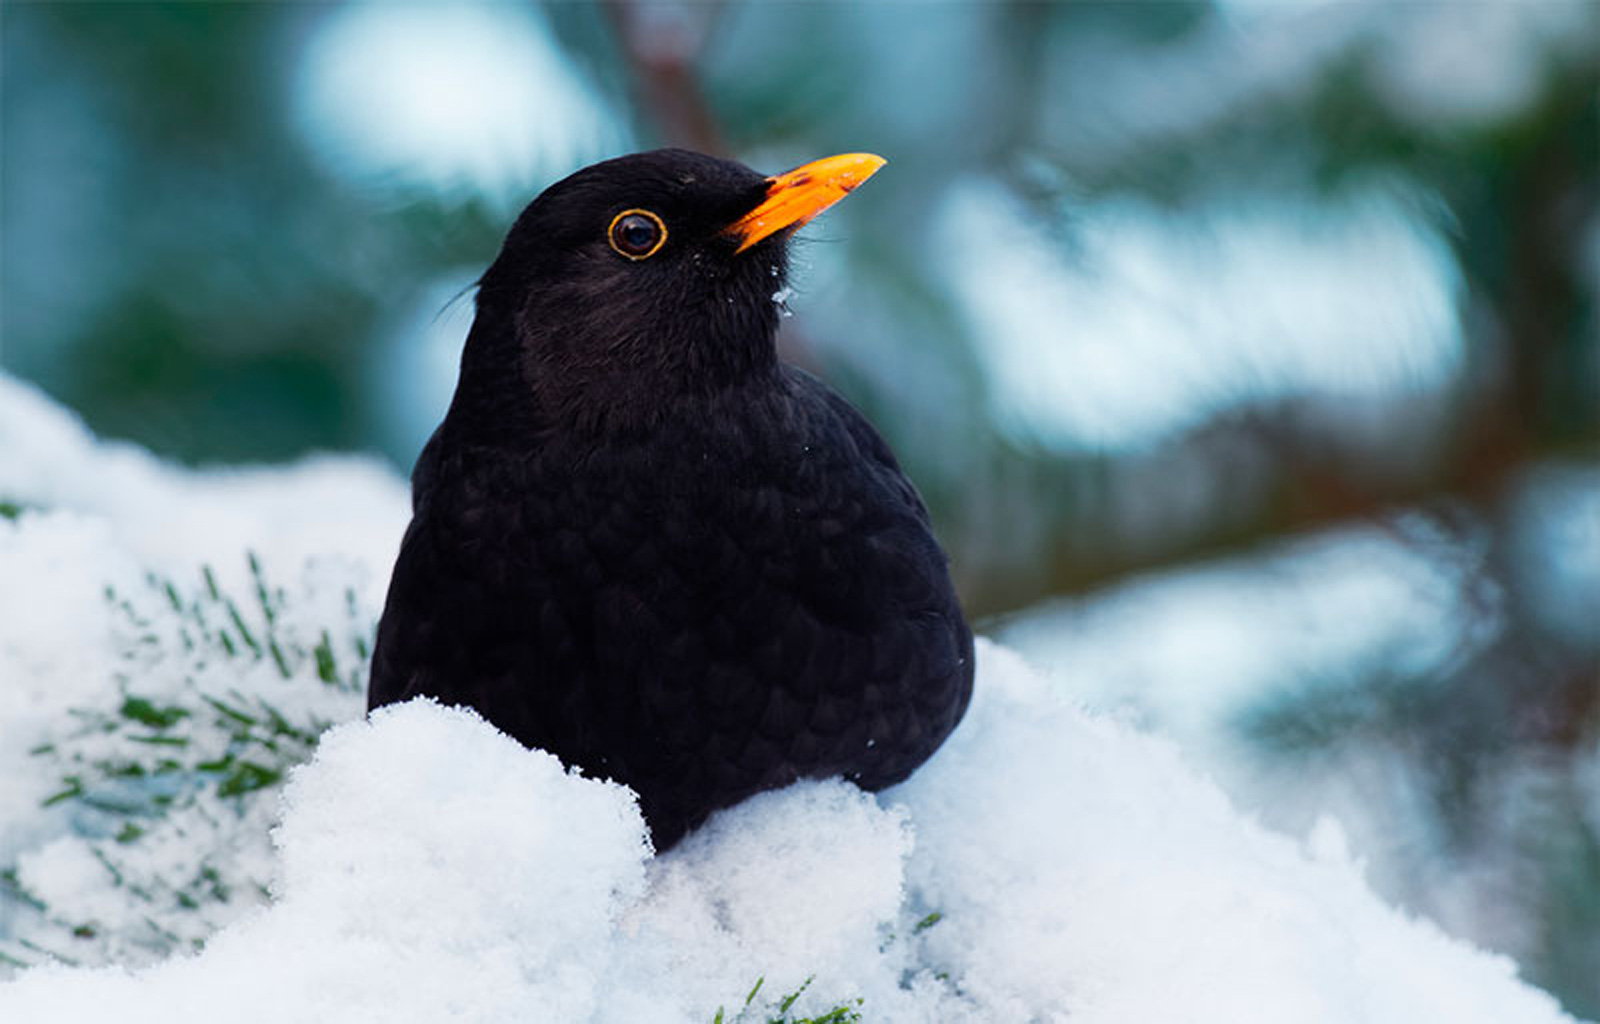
(637, 234)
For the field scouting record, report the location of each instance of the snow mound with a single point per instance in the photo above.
(170, 516)
(1044, 865)
(430, 868)
(1084, 868)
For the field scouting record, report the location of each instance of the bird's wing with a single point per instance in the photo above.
(841, 419)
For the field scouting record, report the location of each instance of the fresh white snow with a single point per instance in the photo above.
(1047, 864)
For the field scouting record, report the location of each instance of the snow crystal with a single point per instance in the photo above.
(1044, 865)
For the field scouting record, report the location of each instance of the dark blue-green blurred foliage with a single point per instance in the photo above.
(1289, 309)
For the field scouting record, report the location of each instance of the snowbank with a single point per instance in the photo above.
(169, 517)
(1045, 865)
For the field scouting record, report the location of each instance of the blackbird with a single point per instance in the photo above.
(642, 542)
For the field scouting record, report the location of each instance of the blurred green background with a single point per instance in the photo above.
(1246, 352)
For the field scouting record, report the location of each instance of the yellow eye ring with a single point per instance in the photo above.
(636, 234)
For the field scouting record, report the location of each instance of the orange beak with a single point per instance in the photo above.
(796, 196)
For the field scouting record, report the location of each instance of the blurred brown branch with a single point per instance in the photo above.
(662, 45)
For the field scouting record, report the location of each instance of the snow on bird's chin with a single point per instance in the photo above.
(1044, 864)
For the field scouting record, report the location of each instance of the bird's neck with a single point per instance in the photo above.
(490, 407)
(513, 392)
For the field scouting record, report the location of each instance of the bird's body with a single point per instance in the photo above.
(644, 544)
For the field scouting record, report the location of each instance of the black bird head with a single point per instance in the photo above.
(633, 283)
